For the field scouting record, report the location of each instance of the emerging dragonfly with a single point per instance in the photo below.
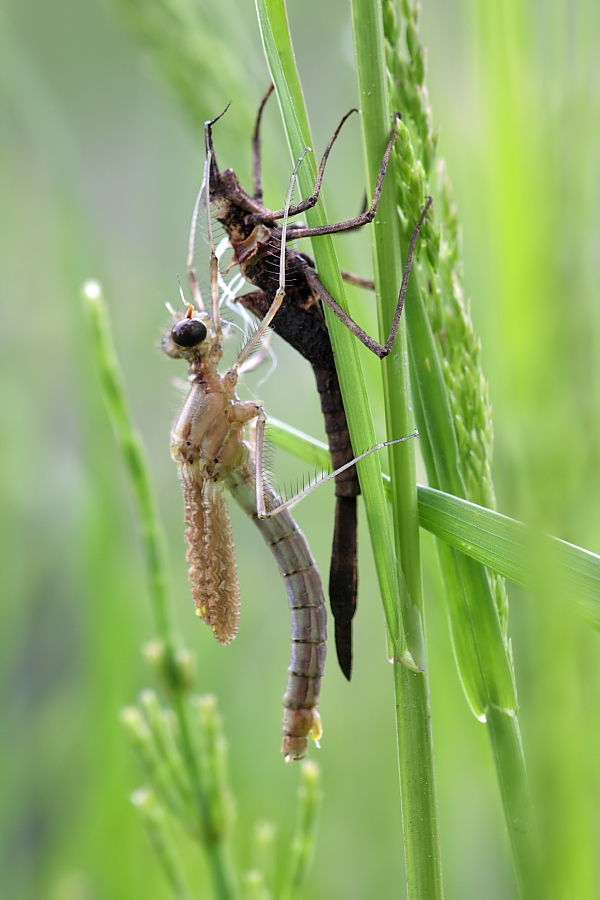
(207, 443)
(257, 241)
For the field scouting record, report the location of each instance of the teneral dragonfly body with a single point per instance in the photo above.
(208, 446)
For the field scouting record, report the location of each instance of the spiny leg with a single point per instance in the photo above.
(260, 439)
(380, 350)
(259, 461)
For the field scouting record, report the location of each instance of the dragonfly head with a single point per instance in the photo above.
(189, 336)
(188, 333)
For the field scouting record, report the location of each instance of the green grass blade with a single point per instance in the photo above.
(507, 753)
(475, 624)
(477, 634)
(512, 549)
(500, 543)
(276, 39)
(452, 410)
(376, 116)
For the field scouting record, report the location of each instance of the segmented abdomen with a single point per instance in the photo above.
(309, 618)
(212, 572)
(301, 323)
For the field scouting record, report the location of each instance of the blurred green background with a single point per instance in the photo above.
(99, 166)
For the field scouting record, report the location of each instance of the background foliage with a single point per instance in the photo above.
(98, 173)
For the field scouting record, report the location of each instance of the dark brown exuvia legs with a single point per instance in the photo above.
(256, 171)
(297, 232)
(348, 224)
(380, 350)
(301, 323)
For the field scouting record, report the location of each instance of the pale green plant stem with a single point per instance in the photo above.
(413, 716)
(219, 861)
(484, 665)
(153, 540)
(152, 817)
(304, 840)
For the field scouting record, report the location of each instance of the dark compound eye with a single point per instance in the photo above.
(188, 333)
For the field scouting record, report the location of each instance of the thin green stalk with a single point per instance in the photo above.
(217, 849)
(263, 858)
(304, 840)
(484, 665)
(164, 768)
(507, 752)
(169, 663)
(153, 819)
(213, 762)
(452, 410)
(510, 548)
(415, 743)
(152, 535)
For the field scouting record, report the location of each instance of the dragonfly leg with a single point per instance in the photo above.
(191, 269)
(349, 277)
(257, 359)
(259, 462)
(324, 478)
(380, 350)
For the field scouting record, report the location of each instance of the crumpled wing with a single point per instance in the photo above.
(212, 572)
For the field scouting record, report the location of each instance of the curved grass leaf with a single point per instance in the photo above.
(278, 49)
(502, 544)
